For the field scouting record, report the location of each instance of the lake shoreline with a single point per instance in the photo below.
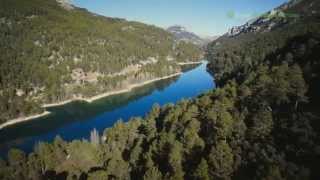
(110, 93)
(88, 100)
(23, 119)
(189, 63)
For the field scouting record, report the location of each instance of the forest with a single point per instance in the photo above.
(262, 122)
(49, 54)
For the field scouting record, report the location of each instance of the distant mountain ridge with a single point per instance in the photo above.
(281, 23)
(182, 34)
(287, 13)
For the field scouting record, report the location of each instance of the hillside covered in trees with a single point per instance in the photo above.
(262, 122)
(51, 51)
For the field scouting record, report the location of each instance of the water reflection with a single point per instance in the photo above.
(75, 120)
(79, 111)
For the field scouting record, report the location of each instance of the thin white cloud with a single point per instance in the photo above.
(240, 16)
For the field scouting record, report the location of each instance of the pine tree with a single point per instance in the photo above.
(201, 172)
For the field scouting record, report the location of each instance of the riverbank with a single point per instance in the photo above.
(94, 98)
(88, 100)
(110, 93)
(23, 119)
(189, 63)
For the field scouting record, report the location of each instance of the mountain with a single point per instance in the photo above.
(210, 38)
(52, 51)
(182, 34)
(287, 13)
(261, 122)
(271, 67)
(274, 29)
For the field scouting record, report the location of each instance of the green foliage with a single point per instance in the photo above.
(202, 173)
(220, 160)
(43, 44)
(82, 156)
(98, 175)
(152, 174)
(261, 123)
(174, 160)
(16, 157)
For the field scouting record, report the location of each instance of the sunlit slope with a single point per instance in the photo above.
(52, 51)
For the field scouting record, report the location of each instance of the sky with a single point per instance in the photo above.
(204, 17)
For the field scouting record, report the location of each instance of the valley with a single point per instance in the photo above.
(250, 110)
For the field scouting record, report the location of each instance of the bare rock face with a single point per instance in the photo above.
(277, 17)
(182, 34)
(66, 4)
(79, 76)
(19, 92)
(264, 23)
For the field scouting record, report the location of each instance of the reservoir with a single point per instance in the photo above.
(75, 120)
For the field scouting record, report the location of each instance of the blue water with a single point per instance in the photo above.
(75, 120)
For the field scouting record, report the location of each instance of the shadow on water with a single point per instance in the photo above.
(79, 111)
(75, 120)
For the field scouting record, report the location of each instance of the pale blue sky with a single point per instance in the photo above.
(204, 17)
